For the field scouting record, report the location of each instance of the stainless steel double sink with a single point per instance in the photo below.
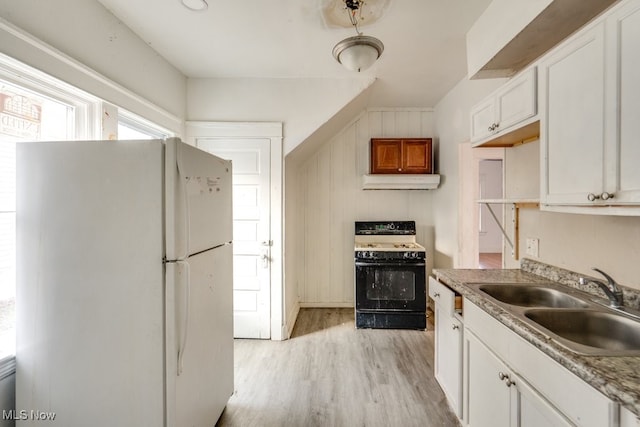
(574, 319)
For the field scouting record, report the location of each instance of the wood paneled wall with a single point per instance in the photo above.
(330, 199)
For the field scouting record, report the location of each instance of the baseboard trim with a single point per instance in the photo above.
(326, 305)
(291, 320)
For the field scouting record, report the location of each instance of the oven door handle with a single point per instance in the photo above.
(389, 264)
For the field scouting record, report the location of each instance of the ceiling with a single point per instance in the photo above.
(424, 40)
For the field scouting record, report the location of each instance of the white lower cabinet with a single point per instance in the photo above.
(448, 345)
(509, 382)
(448, 358)
(498, 397)
(488, 398)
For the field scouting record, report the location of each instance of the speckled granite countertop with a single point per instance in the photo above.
(617, 377)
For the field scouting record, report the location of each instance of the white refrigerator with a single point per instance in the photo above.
(124, 284)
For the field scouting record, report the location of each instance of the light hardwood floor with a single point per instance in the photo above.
(331, 374)
(490, 260)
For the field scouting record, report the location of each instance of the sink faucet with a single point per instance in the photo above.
(611, 289)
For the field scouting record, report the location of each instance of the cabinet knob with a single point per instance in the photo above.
(437, 294)
(606, 196)
(592, 197)
(505, 377)
(455, 327)
(399, 169)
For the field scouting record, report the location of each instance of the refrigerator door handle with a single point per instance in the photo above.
(184, 327)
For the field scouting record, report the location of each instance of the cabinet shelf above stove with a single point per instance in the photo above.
(400, 182)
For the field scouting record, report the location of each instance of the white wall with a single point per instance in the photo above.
(452, 128)
(84, 36)
(303, 105)
(580, 242)
(329, 199)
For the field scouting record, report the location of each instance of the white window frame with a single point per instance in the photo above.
(142, 125)
(87, 121)
(87, 106)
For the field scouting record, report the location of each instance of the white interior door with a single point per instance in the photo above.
(251, 231)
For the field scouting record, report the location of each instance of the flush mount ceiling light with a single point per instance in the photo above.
(359, 52)
(195, 5)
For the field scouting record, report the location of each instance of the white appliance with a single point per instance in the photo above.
(124, 297)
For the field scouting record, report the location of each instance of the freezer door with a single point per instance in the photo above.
(198, 200)
(200, 347)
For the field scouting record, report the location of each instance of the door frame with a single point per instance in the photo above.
(469, 192)
(273, 132)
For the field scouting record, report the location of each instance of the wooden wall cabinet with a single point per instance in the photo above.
(401, 156)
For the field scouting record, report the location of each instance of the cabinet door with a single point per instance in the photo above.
(400, 156)
(416, 156)
(532, 409)
(516, 101)
(486, 394)
(483, 117)
(572, 128)
(448, 357)
(623, 91)
(386, 156)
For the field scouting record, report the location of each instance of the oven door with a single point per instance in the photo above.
(391, 286)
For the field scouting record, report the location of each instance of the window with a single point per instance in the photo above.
(131, 126)
(37, 107)
(25, 115)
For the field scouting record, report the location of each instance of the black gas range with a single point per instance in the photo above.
(390, 276)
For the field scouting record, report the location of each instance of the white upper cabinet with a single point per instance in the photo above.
(590, 98)
(572, 128)
(483, 119)
(623, 87)
(498, 119)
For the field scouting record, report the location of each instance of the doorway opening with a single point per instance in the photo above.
(490, 215)
(256, 152)
(481, 183)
